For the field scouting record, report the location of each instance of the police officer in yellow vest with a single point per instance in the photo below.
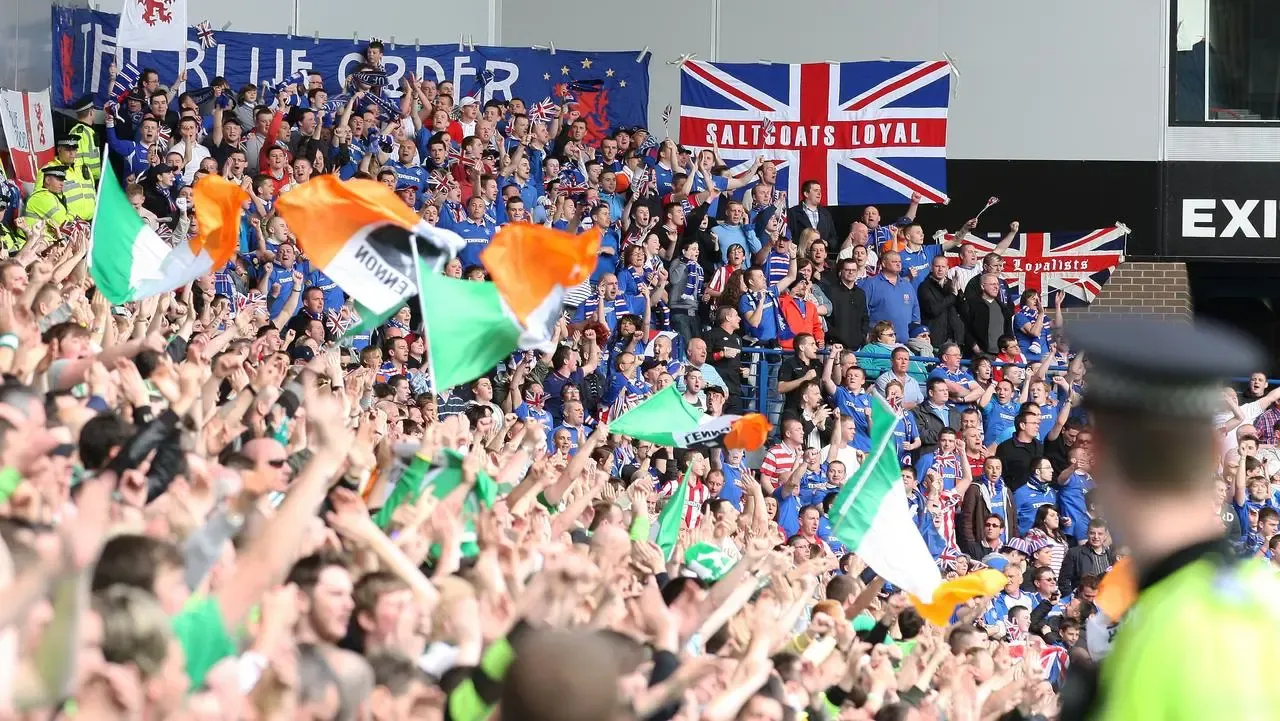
(47, 203)
(78, 190)
(87, 150)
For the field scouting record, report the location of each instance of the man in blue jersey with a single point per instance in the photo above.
(891, 297)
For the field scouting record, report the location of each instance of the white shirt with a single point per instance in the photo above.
(198, 153)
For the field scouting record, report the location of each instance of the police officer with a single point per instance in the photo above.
(87, 150)
(78, 189)
(47, 203)
(1196, 643)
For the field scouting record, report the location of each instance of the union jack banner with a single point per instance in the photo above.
(544, 111)
(205, 32)
(870, 132)
(1077, 263)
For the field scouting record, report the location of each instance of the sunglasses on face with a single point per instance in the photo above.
(277, 462)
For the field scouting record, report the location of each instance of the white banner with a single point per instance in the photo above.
(28, 130)
(153, 25)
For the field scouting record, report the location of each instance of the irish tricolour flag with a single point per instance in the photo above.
(871, 518)
(129, 261)
(667, 419)
(366, 239)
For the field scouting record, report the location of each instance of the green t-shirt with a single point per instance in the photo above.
(203, 634)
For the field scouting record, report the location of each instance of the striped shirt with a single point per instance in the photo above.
(778, 464)
(698, 494)
(1057, 548)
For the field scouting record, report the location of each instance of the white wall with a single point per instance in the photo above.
(26, 44)
(431, 21)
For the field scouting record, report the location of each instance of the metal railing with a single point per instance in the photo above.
(763, 397)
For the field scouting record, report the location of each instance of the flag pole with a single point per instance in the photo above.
(422, 310)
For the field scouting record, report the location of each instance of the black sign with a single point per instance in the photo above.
(1222, 210)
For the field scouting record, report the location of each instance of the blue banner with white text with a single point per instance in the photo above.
(618, 86)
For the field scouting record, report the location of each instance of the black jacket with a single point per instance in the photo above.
(849, 322)
(797, 221)
(1079, 562)
(976, 325)
(939, 310)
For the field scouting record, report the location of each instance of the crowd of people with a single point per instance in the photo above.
(196, 486)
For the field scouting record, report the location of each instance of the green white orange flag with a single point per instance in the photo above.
(667, 419)
(533, 266)
(870, 515)
(363, 237)
(129, 261)
(471, 326)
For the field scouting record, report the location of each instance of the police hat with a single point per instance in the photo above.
(1165, 368)
(55, 171)
(82, 104)
(68, 143)
(136, 94)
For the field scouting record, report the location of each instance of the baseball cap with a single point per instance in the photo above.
(301, 354)
(468, 101)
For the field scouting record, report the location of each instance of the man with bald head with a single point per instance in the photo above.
(697, 353)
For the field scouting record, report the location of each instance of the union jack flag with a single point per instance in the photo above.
(571, 185)
(339, 322)
(205, 32)
(1078, 264)
(870, 132)
(544, 111)
(253, 301)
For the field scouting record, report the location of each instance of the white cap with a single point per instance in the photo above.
(469, 100)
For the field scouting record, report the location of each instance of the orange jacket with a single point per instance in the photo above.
(808, 322)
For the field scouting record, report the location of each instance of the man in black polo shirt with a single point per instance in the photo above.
(724, 351)
(797, 369)
(1018, 452)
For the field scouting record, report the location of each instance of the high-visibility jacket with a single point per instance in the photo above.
(87, 150)
(48, 206)
(78, 190)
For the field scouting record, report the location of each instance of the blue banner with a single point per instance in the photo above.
(84, 47)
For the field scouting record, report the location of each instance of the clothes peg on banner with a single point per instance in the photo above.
(684, 58)
(289, 32)
(462, 41)
(539, 47)
(355, 38)
(762, 61)
(471, 43)
(417, 44)
(552, 45)
(316, 37)
(640, 57)
(393, 42)
(226, 25)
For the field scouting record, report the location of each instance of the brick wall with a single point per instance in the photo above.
(1147, 290)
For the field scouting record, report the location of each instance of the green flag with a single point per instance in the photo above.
(469, 328)
(671, 518)
(442, 475)
(871, 518)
